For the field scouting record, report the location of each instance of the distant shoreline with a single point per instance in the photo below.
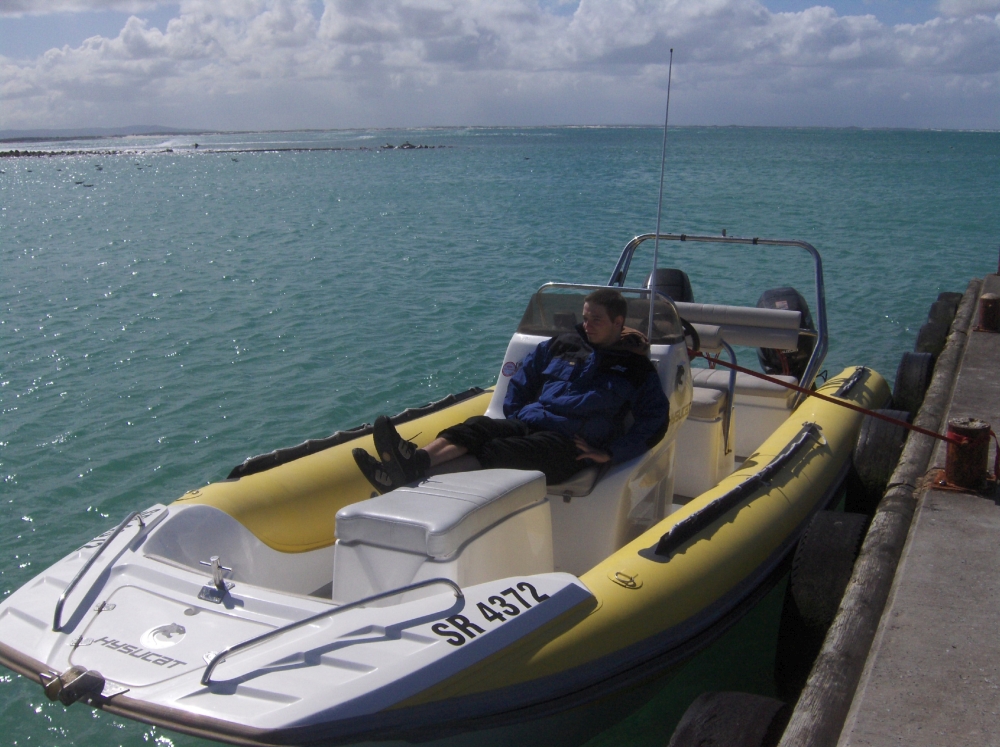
(33, 136)
(152, 151)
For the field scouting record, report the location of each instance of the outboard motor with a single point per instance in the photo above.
(787, 363)
(672, 282)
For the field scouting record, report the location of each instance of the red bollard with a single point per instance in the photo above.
(966, 463)
(989, 312)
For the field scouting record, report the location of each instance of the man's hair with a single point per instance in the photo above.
(611, 300)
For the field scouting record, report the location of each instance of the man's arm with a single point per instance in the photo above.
(524, 386)
(651, 411)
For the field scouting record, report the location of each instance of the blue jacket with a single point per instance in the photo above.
(569, 387)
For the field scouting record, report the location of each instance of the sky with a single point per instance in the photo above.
(318, 64)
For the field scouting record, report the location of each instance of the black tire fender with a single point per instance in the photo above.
(823, 563)
(731, 719)
(932, 337)
(912, 379)
(945, 308)
(874, 459)
(821, 567)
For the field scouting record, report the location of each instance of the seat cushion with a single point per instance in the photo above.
(746, 385)
(706, 404)
(440, 514)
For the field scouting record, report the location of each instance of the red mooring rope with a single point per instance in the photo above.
(954, 439)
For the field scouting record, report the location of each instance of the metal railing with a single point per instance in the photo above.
(822, 343)
(727, 419)
(220, 657)
(57, 618)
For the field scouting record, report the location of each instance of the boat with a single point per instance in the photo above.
(288, 604)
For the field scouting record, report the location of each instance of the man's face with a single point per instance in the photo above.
(599, 327)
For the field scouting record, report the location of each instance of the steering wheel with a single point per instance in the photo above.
(689, 330)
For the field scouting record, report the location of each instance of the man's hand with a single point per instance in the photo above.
(589, 452)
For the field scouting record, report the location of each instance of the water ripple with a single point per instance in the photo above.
(189, 310)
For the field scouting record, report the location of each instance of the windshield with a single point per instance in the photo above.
(557, 308)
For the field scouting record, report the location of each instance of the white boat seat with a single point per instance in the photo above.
(706, 404)
(758, 406)
(701, 458)
(583, 482)
(440, 514)
(746, 385)
(580, 484)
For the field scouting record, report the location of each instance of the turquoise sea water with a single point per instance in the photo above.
(194, 307)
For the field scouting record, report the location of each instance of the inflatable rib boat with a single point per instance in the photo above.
(287, 605)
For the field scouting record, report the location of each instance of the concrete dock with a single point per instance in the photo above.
(913, 656)
(933, 673)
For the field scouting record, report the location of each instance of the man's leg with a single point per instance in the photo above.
(442, 450)
(512, 444)
(452, 444)
(471, 438)
(402, 463)
(480, 442)
(546, 451)
(447, 457)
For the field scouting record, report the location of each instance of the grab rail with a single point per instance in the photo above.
(819, 351)
(220, 657)
(690, 526)
(57, 621)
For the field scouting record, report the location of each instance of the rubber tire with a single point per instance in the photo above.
(798, 646)
(874, 459)
(823, 563)
(912, 379)
(946, 306)
(821, 567)
(730, 719)
(932, 337)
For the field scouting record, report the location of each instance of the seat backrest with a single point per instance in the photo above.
(747, 386)
(520, 345)
(707, 404)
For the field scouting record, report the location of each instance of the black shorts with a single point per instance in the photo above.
(512, 444)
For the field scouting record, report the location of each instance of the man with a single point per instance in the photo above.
(565, 410)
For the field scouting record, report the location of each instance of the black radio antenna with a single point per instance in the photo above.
(659, 201)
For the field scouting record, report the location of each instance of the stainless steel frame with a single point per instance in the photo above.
(727, 422)
(220, 657)
(56, 620)
(822, 342)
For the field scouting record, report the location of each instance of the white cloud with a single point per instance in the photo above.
(19, 8)
(969, 7)
(273, 63)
